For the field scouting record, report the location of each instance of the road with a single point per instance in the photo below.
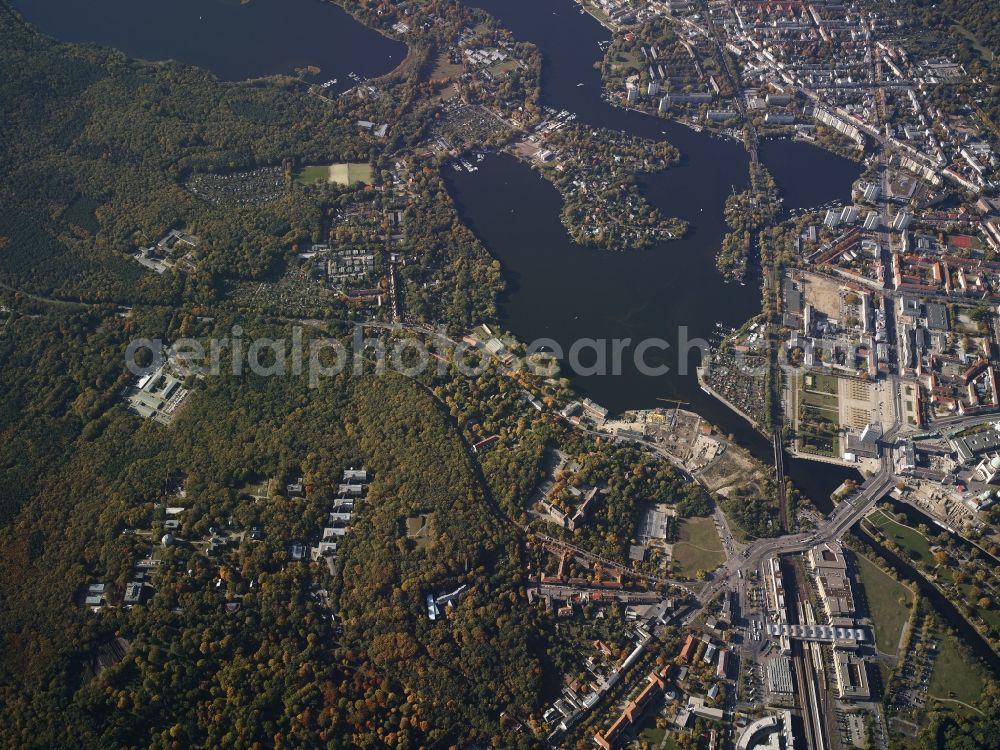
(962, 422)
(844, 515)
(739, 94)
(79, 305)
(747, 558)
(872, 132)
(732, 547)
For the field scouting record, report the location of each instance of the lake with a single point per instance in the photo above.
(232, 39)
(560, 290)
(555, 288)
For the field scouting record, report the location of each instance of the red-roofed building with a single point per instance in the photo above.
(688, 648)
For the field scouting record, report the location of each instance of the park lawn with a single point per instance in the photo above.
(990, 616)
(822, 401)
(444, 69)
(820, 391)
(908, 538)
(698, 546)
(889, 604)
(626, 61)
(917, 547)
(953, 673)
(819, 424)
(826, 383)
(822, 443)
(818, 415)
(652, 735)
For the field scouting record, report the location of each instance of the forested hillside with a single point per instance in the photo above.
(270, 667)
(249, 647)
(96, 148)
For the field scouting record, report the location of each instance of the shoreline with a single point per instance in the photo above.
(719, 397)
(410, 48)
(852, 156)
(592, 14)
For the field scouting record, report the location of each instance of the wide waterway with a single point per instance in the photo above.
(234, 40)
(560, 290)
(556, 288)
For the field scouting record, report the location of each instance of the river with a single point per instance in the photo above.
(673, 291)
(232, 39)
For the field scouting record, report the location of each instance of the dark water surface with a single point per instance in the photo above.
(233, 40)
(562, 291)
(556, 288)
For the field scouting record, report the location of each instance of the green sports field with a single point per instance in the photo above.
(346, 173)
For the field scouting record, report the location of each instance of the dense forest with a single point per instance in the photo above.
(96, 149)
(240, 649)
(99, 151)
(253, 644)
(237, 651)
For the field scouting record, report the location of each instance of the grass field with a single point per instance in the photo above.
(341, 174)
(652, 735)
(954, 676)
(312, 175)
(444, 69)
(917, 547)
(351, 172)
(981, 48)
(698, 546)
(889, 604)
(818, 417)
(503, 68)
(823, 383)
